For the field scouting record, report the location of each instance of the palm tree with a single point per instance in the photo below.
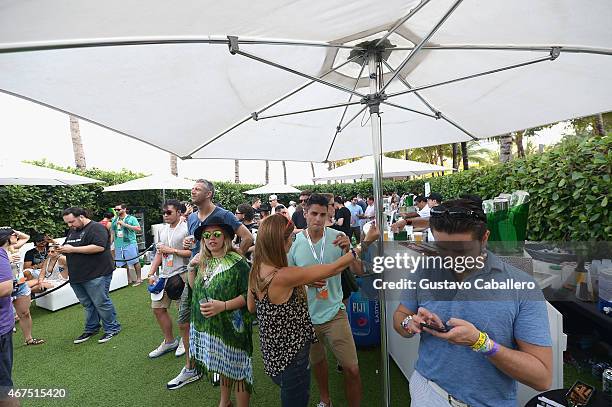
(518, 139)
(267, 172)
(237, 171)
(312, 169)
(284, 172)
(77, 144)
(455, 148)
(464, 156)
(173, 165)
(505, 148)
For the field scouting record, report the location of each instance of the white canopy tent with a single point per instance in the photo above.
(391, 167)
(229, 81)
(162, 182)
(273, 189)
(18, 173)
(152, 182)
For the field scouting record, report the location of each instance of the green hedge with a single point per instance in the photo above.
(569, 187)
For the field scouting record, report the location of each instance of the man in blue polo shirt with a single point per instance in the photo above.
(495, 336)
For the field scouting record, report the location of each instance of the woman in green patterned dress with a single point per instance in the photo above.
(220, 333)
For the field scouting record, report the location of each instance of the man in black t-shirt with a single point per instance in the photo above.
(298, 218)
(90, 270)
(343, 217)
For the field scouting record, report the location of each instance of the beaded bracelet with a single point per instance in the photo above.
(481, 340)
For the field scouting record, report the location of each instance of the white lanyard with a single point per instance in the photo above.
(312, 249)
(171, 236)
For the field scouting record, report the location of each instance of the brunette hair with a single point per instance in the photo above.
(272, 237)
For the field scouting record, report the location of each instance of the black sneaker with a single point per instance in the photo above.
(339, 368)
(107, 337)
(84, 337)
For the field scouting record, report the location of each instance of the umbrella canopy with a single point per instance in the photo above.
(152, 182)
(273, 189)
(391, 167)
(18, 173)
(169, 71)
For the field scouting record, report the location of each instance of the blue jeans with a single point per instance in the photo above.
(93, 296)
(6, 363)
(294, 381)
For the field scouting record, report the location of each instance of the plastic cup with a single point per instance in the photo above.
(418, 236)
(191, 240)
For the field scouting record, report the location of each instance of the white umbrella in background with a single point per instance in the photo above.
(18, 173)
(151, 182)
(391, 167)
(273, 189)
(287, 80)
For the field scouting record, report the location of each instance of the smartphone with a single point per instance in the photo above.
(435, 328)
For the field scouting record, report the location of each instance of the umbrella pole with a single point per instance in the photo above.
(374, 106)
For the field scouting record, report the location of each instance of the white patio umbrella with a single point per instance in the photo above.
(18, 173)
(162, 182)
(391, 167)
(228, 81)
(273, 189)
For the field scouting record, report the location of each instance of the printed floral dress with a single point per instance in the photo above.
(222, 344)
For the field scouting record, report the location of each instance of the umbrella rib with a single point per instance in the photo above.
(340, 130)
(402, 21)
(315, 109)
(421, 98)
(476, 47)
(422, 43)
(116, 42)
(433, 110)
(255, 114)
(339, 126)
(409, 109)
(552, 57)
(295, 72)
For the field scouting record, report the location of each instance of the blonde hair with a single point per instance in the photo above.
(206, 254)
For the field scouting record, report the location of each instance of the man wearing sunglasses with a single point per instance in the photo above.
(484, 339)
(419, 219)
(171, 256)
(298, 217)
(123, 236)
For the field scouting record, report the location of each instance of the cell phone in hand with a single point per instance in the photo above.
(434, 328)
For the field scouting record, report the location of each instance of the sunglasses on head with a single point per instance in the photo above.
(216, 233)
(456, 213)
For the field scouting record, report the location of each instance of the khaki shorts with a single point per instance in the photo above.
(183, 305)
(337, 336)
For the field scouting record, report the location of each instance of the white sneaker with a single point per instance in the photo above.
(185, 377)
(180, 351)
(164, 348)
(322, 404)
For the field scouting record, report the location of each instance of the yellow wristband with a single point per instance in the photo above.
(481, 340)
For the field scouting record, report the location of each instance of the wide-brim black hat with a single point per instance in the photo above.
(213, 221)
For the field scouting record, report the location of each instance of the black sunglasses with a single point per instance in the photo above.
(457, 213)
(239, 213)
(168, 212)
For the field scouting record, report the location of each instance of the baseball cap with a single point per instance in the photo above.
(272, 198)
(157, 289)
(6, 231)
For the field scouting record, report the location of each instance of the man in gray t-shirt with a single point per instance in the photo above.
(170, 257)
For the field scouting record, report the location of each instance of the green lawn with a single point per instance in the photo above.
(119, 373)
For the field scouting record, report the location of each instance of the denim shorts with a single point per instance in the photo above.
(129, 252)
(22, 290)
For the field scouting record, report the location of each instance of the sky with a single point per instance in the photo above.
(32, 132)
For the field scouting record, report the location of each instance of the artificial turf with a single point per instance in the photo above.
(119, 372)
